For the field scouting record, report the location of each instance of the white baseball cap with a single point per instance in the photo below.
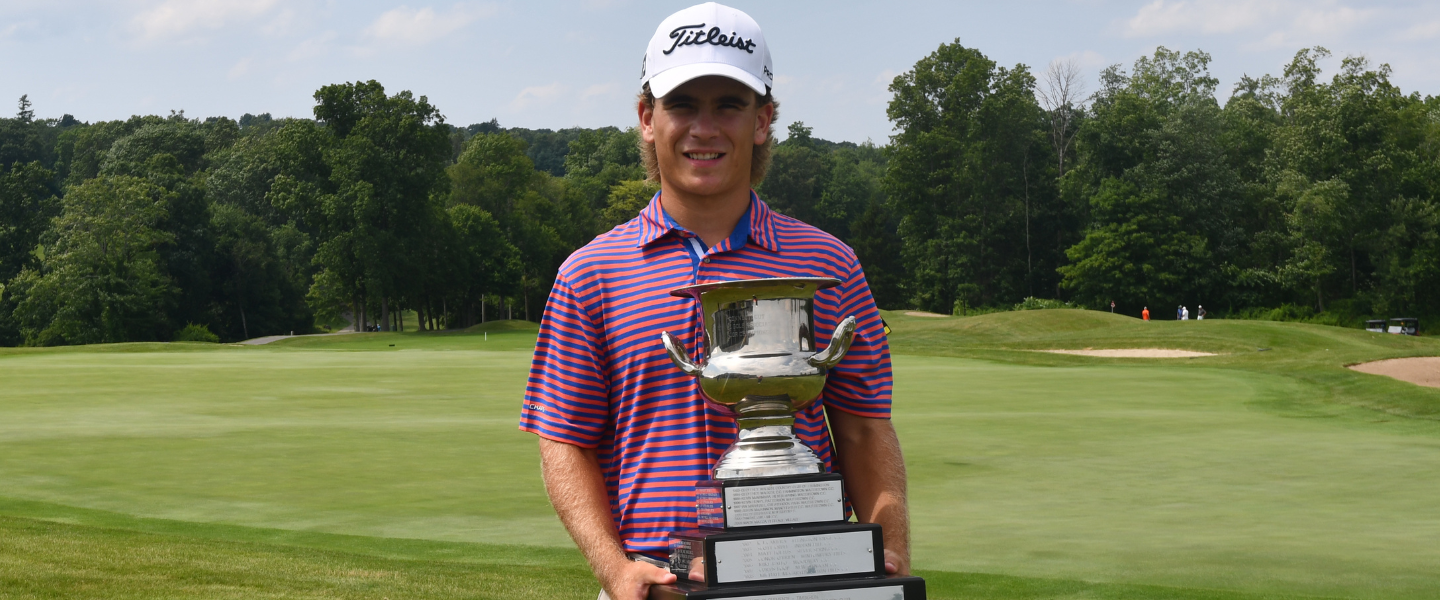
(707, 39)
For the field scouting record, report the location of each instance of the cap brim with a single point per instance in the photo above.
(664, 82)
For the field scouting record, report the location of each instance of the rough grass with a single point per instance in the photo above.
(347, 467)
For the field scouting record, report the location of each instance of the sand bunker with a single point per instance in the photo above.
(1421, 370)
(1135, 353)
(921, 313)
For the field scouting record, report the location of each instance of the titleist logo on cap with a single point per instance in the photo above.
(697, 42)
(695, 35)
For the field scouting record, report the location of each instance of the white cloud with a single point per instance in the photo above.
(1277, 20)
(1162, 16)
(173, 18)
(599, 89)
(1422, 31)
(1335, 20)
(17, 27)
(604, 4)
(312, 48)
(538, 94)
(1087, 59)
(407, 25)
(886, 77)
(240, 69)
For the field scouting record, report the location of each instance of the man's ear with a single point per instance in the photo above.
(647, 121)
(763, 116)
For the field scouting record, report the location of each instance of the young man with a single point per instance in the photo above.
(624, 434)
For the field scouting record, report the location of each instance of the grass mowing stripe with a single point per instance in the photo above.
(40, 559)
(47, 559)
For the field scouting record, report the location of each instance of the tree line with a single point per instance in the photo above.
(146, 228)
(1299, 195)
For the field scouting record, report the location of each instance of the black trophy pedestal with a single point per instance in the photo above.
(892, 588)
(780, 538)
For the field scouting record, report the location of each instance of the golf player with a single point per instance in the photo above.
(624, 434)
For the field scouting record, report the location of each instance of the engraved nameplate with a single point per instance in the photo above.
(795, 556)
(784, 504)
(890, 592)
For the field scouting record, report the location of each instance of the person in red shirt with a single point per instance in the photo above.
(1145, 314)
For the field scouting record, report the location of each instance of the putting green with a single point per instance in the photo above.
(1191, 478)
(1169, 474)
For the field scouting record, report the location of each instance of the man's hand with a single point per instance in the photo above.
(632, 580)
(896, 564)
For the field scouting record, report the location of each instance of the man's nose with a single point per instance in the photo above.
(706, 125)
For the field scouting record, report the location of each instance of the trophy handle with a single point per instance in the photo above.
(839, 345)
(679, 356)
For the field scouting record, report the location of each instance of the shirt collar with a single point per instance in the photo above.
(757, 225)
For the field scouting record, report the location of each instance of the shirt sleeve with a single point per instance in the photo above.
(861, 384)
(567, 398)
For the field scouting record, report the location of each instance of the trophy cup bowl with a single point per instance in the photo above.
(761, 367)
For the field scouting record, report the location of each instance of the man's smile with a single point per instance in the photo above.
(703, 155)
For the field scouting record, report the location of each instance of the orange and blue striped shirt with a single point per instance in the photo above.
(601, 378)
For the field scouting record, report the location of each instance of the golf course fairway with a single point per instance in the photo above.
(389, 465)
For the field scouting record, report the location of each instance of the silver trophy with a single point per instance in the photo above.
(762, 367)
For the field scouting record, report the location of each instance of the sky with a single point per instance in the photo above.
(542, 64)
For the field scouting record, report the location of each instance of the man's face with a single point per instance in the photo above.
(704, 133)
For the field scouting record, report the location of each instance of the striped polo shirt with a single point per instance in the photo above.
(601, 378)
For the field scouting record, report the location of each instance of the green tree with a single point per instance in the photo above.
(387, 167)
(26, 207)
(1135, 250)
(1153, 142)
(101, 278)
(969, 134)
(798, 176)
(626, 200)
(171, 154)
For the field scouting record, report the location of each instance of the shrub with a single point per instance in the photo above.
(1033, 303)
(196, 333)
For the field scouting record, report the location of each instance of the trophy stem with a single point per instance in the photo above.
(767, 446)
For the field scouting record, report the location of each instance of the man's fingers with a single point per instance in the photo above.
(658, 575)
(894, 563)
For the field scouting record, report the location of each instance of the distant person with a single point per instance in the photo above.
(1145, 313)
(1179, 312)
(1184, 313)
(1201, 315)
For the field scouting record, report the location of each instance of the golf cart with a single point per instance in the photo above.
(1405, 326)
(1375, 325)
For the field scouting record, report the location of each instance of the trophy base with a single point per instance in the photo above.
(890, 588)
(777, 554)
(770, 501)
(771, 451)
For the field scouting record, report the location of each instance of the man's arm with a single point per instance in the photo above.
(869, 457)
(577, 491)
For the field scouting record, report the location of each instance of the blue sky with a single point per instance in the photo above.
(559, 64)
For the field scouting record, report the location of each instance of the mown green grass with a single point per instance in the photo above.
(300, 468)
